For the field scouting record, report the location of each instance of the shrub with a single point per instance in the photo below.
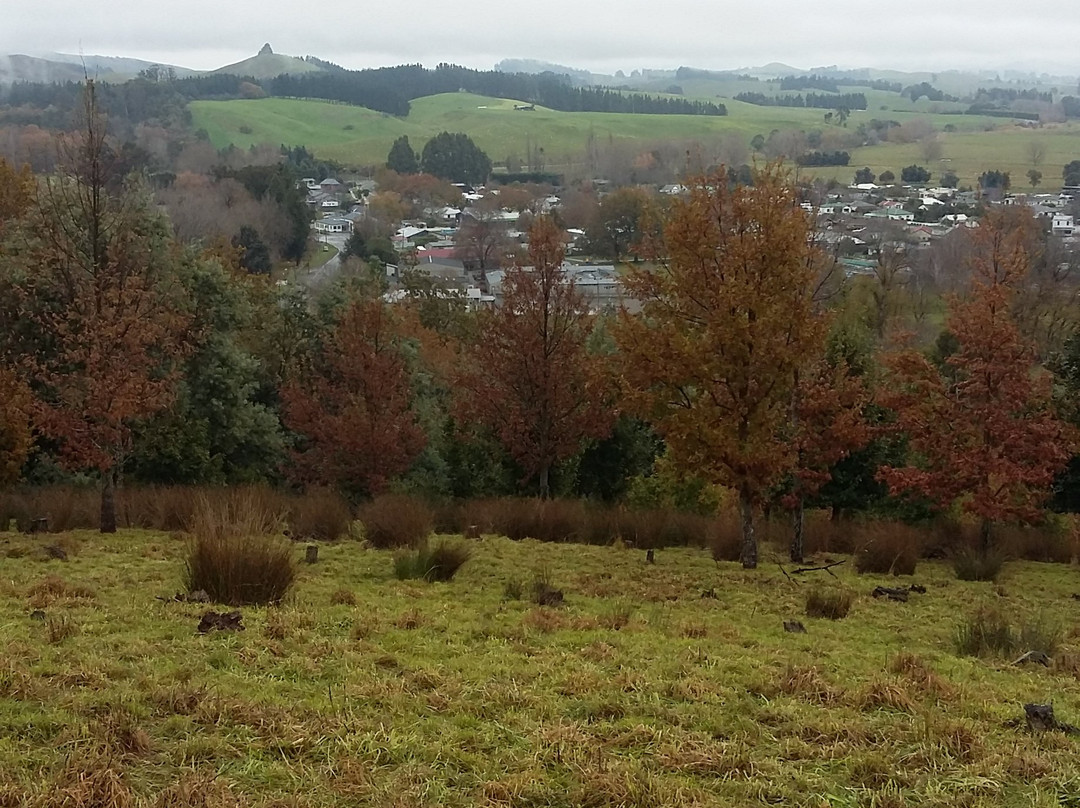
(237, 556)
(971, 565)
(1049, 543)
(432, 562)
(166, 508)
(394, 520)
(831, 603)
(726, 543)
(241, 570)
(319, 514)
(887, 547)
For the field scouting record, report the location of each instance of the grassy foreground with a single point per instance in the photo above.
(365, 690)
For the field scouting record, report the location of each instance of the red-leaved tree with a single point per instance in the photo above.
(103, 316)
(351, 406)
(828, 425)
(981, 427)
(529, 375)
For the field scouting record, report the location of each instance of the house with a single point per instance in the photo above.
(1062, 224)
(331, 186)
(333, 224)
(892, 215)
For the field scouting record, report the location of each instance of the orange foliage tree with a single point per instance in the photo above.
(981, 427)
(15, 434)
(529, 376)
(101, 309)
(727, 321)
(828, 425)
(351, 406)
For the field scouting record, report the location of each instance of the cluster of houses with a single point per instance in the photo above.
(430, 244)
(853, 220)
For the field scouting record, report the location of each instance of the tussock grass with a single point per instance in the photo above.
(833, 603)
(394, 520)
(435, 561)
(992, 632)
(970, 565)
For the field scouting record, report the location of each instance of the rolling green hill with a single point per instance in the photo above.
(358, 136)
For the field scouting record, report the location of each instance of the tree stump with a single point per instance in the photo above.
(650, 557)
(472, 532)
(311, 554)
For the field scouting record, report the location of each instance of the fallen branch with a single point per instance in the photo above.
(827, 568)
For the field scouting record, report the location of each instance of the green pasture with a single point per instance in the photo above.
(358, 136)
(666, 684)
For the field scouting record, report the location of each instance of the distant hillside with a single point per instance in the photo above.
(121, 65)
(19, 67)
(536, 66)
(268, 65)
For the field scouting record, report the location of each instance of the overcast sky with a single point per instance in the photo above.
(602, 35)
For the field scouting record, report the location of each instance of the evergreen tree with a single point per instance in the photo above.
(456, 158)
(402, 158)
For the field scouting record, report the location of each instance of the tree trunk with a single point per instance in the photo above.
(984, 538)
(108, 502)
(797, 532)
(545, 490)
(749, 540)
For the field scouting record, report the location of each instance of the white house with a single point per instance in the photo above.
(1062, 224)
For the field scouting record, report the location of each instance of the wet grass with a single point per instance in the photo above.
(361, 689)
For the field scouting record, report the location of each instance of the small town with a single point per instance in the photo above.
(571, 413)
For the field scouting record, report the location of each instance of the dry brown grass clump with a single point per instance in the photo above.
(53, 588)
(58, 627)
(832, 603)
(93, 781)
(888, 548)
(885, 695)
(319, 514)
(392, 521)
(806, 683)
(238, 556)
(918, 672)
(199, 791)
(342, 597)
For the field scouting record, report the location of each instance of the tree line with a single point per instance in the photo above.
(125, 355)
(814, 100)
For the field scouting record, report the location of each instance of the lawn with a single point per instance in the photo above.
(365, 690)
(358, 136)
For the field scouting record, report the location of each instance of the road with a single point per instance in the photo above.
(329, 270)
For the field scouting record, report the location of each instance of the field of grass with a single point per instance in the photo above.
(358, 136)
(365, 690)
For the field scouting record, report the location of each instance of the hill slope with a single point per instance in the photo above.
(267, 65)
(358, 136)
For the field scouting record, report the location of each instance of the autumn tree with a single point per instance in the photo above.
(616, 228)
(103, 320)
(727, 321)
(15, 434)
(530, 378)
(350, 404)
(827, 426)
(481, 241)
(980, 425)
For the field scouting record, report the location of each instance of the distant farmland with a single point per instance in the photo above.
(358, 136)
